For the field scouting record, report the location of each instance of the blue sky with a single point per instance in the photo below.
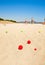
(20, 10)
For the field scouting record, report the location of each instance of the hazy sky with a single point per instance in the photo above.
(22, 9)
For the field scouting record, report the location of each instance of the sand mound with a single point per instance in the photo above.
(6, 22)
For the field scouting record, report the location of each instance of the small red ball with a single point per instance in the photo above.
(20, 47)
(35, 49)
(28, 42)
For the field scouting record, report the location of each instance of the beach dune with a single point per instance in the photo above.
(22, 44)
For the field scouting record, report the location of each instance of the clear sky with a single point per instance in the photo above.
(20, 10)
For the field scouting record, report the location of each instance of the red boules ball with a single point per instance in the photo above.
(20, 47)
(28, 42)
(35, 49)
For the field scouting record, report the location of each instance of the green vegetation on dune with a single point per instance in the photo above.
(11, 20)
(1, 19)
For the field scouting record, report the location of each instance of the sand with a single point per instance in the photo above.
(6, 22)
(13, 35)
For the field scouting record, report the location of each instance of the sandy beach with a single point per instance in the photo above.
(22, 44)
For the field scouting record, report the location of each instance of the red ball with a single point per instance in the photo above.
(28, 42)
(20, 47)
(35, 49)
